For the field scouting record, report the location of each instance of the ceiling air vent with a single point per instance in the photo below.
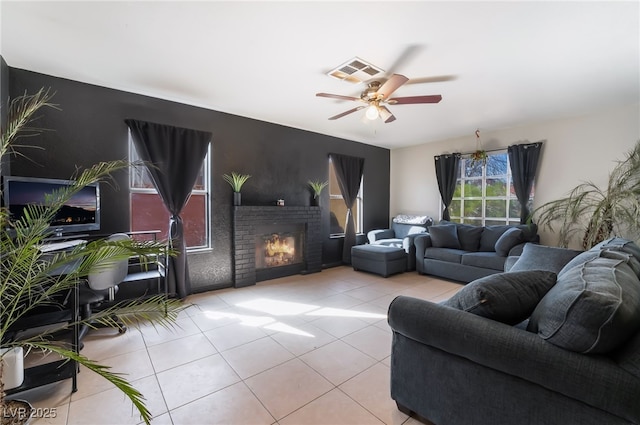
(355, 71)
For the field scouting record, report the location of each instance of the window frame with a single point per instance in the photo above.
(508, 197)
(205, 191)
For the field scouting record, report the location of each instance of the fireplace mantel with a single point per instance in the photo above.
(245, 221)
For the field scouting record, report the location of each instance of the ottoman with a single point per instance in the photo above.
(379, 259)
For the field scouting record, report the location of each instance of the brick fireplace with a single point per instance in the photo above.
(271, 242)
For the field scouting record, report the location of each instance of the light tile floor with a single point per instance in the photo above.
(310, 349)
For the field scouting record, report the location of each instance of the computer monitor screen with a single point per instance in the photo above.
(80, 213)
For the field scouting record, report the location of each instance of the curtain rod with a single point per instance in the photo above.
(467, 153)
(486, 150)
(504, 149)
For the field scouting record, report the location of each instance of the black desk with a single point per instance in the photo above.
(59, 370)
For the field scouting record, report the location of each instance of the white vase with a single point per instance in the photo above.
(13, 367)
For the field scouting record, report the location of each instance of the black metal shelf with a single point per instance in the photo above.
(45, 374)
(58, 370)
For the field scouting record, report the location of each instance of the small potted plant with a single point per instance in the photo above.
(316, 189)
(236, 180)
(479, 156)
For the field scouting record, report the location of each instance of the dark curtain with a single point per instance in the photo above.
(349, 171)
(447, 174)
(176, 155)
(524, 162)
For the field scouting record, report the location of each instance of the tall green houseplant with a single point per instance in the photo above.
(26, 281)
(593, 213)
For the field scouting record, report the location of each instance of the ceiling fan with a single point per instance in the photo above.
(377, 95)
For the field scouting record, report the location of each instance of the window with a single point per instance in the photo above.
(149, 213)
(338, 209)
(484, 193)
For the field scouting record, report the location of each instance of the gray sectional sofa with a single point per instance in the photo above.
(573, 358)
(464, 252)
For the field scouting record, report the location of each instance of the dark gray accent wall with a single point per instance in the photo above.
(89, 127)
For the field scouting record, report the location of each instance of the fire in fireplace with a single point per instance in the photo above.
(279, 248)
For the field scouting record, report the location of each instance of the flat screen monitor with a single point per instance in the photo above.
(80, 214)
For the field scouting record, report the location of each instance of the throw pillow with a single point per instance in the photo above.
(444, 236)
(508, 240)
(469, 236)
(541, 257)
(506, 297)
(490, 236)
(593, 308)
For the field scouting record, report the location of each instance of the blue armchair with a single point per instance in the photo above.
(404, 228)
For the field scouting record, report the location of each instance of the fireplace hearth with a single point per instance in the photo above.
(271, 242)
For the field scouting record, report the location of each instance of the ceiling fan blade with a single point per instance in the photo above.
(409, 53)
(414, 99)
(386, 115)
(434, 79)
(337, 96)
(350, 111)
(391, 85)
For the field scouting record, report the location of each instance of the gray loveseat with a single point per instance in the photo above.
(464, 252)
(404, 228)
(576, 361)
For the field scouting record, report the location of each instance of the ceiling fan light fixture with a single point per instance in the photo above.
(372, 112)
(385, 114)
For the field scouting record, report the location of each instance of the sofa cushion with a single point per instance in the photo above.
(620, 244)
(490, 236)
(377, 252)
(485, 260)
(469, 236)
(508, 240)
(593, 308)
(623, 245)
(541, 257)
(628, 355)
(594, 253)
(444, 254)
(578, 260)
(505, 297)
(444, 236)
(397, 243)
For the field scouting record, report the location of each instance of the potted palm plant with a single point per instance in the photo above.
(316, 190)
(595, 213)
(26, 279)
(236, 180)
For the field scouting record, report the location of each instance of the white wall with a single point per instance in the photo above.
(574, 150)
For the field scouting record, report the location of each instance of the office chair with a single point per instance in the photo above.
(101, 286)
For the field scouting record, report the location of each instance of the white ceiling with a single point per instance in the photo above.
(501, 64)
